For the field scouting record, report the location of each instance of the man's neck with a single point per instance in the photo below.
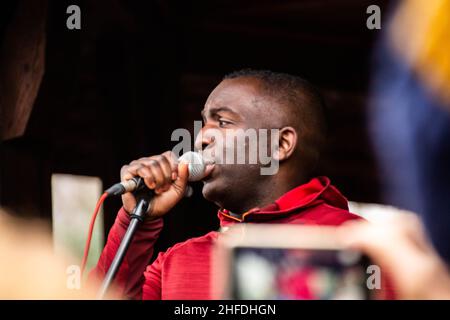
(269, 192)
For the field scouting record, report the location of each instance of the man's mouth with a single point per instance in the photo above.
(210, 164)
(208, 172)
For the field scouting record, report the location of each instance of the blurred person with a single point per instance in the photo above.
(29, 267)
(248, 99)
(410, 127)
(410, 114)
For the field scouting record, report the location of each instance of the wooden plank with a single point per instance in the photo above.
(22, 65)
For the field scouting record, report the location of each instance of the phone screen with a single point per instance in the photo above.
(290, 273)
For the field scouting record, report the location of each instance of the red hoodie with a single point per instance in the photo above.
(182, 272)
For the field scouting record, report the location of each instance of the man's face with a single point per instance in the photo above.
(234, 106)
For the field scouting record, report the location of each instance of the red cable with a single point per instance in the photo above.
(91, 229)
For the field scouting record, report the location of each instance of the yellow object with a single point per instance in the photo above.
(420, 33)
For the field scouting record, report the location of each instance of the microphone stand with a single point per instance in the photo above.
(137, 217)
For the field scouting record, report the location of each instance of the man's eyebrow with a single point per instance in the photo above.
(215, 110)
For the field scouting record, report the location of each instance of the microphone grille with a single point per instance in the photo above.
(196, 163)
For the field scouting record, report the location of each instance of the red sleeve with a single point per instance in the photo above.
(130, 277)
(152, 285)
(151, 290)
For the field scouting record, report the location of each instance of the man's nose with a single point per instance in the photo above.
(203, 140)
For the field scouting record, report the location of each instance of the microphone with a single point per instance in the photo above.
(197, 171)
(196, 167)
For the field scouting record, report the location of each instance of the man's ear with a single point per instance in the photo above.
(287, 142)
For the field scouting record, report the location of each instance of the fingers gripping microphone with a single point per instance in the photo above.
(196, 168)
(197, 171)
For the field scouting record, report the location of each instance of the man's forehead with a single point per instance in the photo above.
(237, 94)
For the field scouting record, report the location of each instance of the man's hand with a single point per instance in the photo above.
(161, 173)
(400, 247)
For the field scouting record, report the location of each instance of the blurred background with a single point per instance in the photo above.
(76, 105)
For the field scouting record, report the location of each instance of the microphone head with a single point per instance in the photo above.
(197, 165)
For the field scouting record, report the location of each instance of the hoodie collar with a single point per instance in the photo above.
(317, 190)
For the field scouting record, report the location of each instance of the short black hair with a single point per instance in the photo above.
(305, 107)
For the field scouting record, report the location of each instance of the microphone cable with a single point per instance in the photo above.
(91, 230)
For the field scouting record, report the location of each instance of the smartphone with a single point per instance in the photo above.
(286, 262)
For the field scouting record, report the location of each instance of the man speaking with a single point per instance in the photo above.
(248, 99)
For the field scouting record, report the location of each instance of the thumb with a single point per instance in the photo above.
(183, 175)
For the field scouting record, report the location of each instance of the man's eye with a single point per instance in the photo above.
(223, 123)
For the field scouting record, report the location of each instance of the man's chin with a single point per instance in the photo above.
(211, 190)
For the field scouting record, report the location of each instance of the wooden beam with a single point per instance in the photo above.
(22, 64)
